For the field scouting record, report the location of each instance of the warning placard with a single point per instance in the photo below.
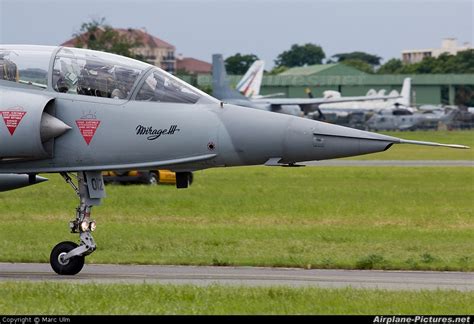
(12, 119)
(87, 127)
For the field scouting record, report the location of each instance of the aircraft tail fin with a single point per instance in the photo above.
(405, 93)
(250, 84)
(220, 82)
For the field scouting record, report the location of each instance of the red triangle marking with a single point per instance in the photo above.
(87, 127)
(12, 119)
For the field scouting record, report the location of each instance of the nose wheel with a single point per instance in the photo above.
(70, 266)
(67, 258)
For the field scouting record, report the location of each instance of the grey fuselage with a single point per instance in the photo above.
(182, 137)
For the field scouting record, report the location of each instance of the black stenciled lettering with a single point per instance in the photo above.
(94, 183)
(154, 133)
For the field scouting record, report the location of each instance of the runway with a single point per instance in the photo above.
(246, 276)
(391, 163)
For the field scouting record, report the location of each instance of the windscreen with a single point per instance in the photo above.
(161, 86)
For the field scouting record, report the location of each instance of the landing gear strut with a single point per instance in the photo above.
(67, 258)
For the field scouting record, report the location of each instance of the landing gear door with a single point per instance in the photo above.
(95, 184)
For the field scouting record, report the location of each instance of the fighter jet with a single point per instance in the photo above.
(90, 111)
(222, 90)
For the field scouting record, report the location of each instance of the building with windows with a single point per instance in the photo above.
(152, 49)
(448, 45)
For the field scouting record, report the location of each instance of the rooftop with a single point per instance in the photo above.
(139, 35)
(322, 69)
(307, 70)
(192, 65)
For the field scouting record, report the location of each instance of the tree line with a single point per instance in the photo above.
(99, 35)
(309, 54)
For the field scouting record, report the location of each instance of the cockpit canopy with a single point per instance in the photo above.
(92, 73)
(88, 73)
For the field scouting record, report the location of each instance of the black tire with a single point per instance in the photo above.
(72, 266)
(152, 179)
(182, 180)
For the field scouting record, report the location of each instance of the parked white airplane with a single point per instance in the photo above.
(221, 90)
(403, 100)
(251, 82)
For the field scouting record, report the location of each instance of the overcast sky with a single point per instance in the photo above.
(265, 28)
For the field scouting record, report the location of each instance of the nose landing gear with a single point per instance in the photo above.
(67, 258)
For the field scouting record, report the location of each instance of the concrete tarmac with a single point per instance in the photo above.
(245, 276)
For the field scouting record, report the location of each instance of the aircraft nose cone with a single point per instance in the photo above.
(249, 136)
(308, 140)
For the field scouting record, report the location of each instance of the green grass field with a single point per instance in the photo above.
(416, 152)
(326, 217)
(62, 298)
(313, 217)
